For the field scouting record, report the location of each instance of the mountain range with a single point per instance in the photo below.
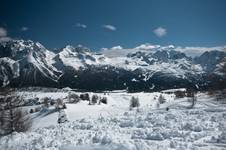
(27, 63)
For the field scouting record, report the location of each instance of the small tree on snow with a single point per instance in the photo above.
(134, 102)
(59, 104)
(12, 117)
(161, 99)
(103, 100)
(192, 98)
(84, 97)
(94, 99)
(73, 97)
(46, 102)
(62, 117)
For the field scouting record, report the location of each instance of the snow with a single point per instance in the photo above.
(174, 90)
(113, 126)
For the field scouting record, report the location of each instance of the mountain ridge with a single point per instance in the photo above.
(28, 63)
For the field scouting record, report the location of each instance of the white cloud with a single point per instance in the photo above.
(80, 25)
(5, 39)
(24, 28)
(160, 31)
(117, 47)
(3, 32)
(197, 51)
(119, 51)
(3, 35)
(109, 27)
(146, 46)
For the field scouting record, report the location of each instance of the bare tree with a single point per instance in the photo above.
(192, 98)
(12, 116)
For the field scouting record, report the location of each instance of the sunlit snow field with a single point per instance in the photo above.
(113, 126)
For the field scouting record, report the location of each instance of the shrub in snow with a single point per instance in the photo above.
(59, 104)
(64, 106)
(46, 102)
(84, 97)
(103, 100)
(52, 102)
(62, 117)
(134, 102)
(180, 94)
(96, 138)
(73, 98)
(31, 111)
(161, 99)
(106, 140)
(94, 99)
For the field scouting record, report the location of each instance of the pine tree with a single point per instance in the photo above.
(13, 118)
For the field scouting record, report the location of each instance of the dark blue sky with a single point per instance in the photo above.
(58, 23)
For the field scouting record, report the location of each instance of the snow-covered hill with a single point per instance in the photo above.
(113, 126)
(78, 67)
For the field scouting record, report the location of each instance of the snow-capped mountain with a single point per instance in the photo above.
(28, 63)
(209, 60)
(221, 67)
(33, 60)
(76, 57)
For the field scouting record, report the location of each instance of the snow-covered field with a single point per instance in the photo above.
(114, 126)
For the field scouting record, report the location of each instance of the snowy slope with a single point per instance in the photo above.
(114, 126)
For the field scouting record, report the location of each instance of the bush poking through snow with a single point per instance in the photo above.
(94, 99)
(84, 97)
(59, 104)
(52, 102)
(103, 100)
(134, 102)
(73, 98)
(62, 117)
(161, 99)
(46, 102)
(31, 111)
